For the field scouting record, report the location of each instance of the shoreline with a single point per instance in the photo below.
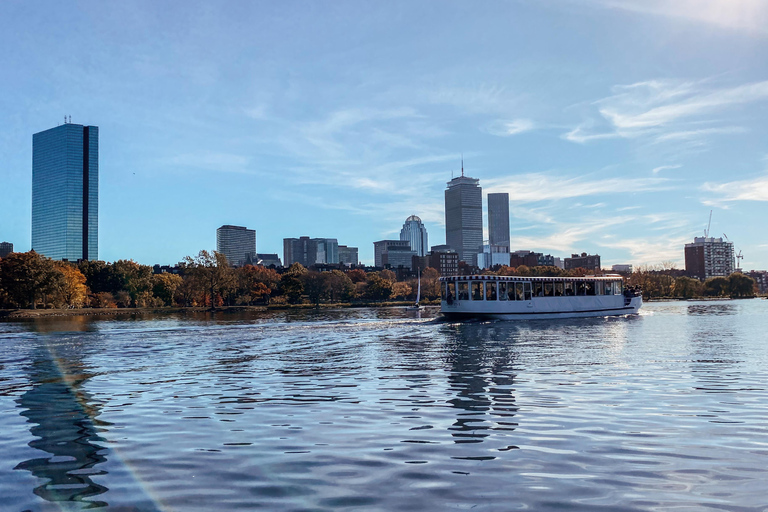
(22, 314)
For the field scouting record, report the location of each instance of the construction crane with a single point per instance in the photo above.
(739, 257)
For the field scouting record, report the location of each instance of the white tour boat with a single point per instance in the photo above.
(528, 298)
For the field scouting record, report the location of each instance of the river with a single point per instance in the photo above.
(378, 409)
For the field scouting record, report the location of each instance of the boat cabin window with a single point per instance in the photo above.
(538, 290)
(569, 289)
(490, 290)
(559, 289)
(580, 289)
(549, 289)
(590, 287)
(598, 287)
(450, 291)
(502, 291)
(617, 287)
(463, 290)
(519, 295)
(527, 291)
(477, 290)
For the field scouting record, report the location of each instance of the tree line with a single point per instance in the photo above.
(30, 280)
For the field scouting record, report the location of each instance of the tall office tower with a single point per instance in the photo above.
(310, 251)
(464, 217)
(237, 243)
(414, 232)
(65, 192)
(6, 248)
(498, 220)
(709, 257)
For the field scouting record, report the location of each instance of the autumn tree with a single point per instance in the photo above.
(27, 277)
(377, 287)
(164, 287)
(256, 283)
(211, 272)
(357, 275)
(430, 283)
(340, 287)
(401, 290)
(73, 291)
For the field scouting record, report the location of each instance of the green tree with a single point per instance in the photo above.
(687, 287)
(740, 286)
(716, 287)
(292, 284)
(315, 286)
(135, 279)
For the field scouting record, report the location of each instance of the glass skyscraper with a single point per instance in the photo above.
(414, 232)
(65, 192)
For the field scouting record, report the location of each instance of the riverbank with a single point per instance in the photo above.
(11, 314)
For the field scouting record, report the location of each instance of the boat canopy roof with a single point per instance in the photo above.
(529, 278)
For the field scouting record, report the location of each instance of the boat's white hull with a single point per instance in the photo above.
(543, 308)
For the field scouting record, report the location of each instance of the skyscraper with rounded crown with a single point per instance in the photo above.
(416, 234)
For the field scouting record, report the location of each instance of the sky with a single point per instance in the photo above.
(616, 126)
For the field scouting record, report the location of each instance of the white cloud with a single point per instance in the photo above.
(750, 15)
(657, 170)
(540, 187)
(666, 110)
(507, 128)
(743, 190)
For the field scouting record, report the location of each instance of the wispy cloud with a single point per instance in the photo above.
(540, 187)
(742, 190)
(750, 15)
(666, 110)
(508, 128)
(657, 170)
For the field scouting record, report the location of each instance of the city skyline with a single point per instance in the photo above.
(614, 134)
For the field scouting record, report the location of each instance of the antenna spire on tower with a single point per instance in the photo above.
(462, 165)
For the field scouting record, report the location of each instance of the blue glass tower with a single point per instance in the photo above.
(65, 192)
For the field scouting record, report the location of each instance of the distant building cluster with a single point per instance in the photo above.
(65, 223)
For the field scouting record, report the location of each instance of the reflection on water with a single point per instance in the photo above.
(378, 410)
(64, 422)
(718, 309)
(483, 383)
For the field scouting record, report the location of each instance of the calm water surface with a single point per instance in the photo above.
(379, 410)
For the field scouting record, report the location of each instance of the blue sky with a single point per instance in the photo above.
(615, 126)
